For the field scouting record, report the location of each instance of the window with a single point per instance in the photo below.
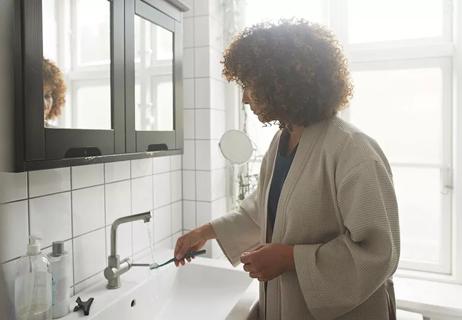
(403, 63)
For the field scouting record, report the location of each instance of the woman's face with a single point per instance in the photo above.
(47, 100)
(248, 98)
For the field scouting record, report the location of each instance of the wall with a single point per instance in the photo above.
(204, 168)
(78, 205)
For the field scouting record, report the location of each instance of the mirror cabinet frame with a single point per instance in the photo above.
(38, 147)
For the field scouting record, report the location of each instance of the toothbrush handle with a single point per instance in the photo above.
(195, 253)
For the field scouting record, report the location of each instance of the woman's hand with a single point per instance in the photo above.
(192, 241)
(269, 261)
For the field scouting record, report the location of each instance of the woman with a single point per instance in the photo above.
(54, 92)
(321, 231)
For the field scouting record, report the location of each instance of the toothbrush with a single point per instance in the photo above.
(155, 265)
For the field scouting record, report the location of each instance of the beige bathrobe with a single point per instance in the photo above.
(338, 208)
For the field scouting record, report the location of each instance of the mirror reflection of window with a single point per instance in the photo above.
(76, 41)
(153, 77)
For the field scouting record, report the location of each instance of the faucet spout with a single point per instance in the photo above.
(115, 266)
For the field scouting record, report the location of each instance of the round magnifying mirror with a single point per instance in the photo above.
(236, 146)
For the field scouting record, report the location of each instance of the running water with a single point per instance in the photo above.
(151, 242)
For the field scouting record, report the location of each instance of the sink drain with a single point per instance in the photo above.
(133, 303)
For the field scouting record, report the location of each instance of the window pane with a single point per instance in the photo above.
(263, 10)
(93, 32)
(378, 20)
(402, 110)
(153, 77)
(93, 107)
(420, 221)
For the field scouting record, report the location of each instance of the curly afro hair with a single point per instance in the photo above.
(294, 68)
(53, 77)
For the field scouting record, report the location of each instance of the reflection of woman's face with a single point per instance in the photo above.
(47, 100)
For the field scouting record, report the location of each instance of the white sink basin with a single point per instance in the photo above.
(203, 289)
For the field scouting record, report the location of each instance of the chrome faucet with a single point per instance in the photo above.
(116, 267)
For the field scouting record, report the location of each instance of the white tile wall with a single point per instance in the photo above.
(87, 209)
(14, 230)
(189, 185)
(50, 217)
(189, 161)
(86, 176)
(142, 194)
(49, 181)
(83, 215)
(89, 254)
(162, 187)
(13, 186)
(118, 200)
(188, 91)
(116, 171)
(201, 31)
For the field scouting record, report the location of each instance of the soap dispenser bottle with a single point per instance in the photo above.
(59, 260)
(33, 284)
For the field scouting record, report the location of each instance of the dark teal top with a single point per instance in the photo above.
(281, 168)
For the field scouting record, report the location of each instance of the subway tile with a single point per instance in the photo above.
(118, 200)
(87, 176)
(13, 186)
(189, 214)
(189, 124)
(175, 162)
(50, 217)
(189, 185)
(14, 231)
(89, 254)
(161, 164)
(141, 167)
(162, 223)
(162, 189)
(204, 185)
(217, 124)
(218, 184)
(124, 240)
(202, 93)
(203, 123)
(45, 182)
(177, 217)
(188, 91)
(203, 155)
(201, 62)
(203, 212)
(142, 194)
(189, 161)
(188, 32)
(201, 31)
(116, 171)
(218, 96)
(176, 186)
(87, 209)
(188, 63)
(164, 244)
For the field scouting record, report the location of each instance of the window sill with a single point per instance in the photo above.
(434, 300)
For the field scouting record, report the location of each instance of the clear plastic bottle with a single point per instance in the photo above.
(32, 288)
(59, 261)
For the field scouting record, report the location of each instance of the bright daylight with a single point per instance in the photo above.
(231, 159)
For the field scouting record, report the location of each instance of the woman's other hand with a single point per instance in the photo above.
(269, 261)
(192, 241)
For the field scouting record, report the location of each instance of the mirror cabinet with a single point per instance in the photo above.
(97, 81)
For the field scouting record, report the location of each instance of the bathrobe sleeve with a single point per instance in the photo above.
(337, 276)
(240, 231)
